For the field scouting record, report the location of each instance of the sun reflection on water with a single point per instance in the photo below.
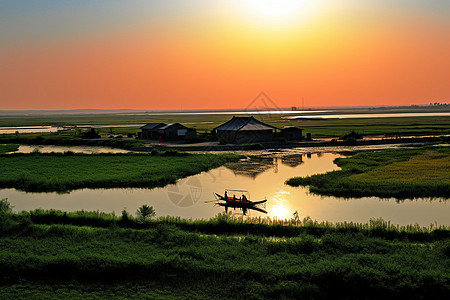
(279, 207)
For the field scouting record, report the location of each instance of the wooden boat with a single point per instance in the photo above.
(242, 202)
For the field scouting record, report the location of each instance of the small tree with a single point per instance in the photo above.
(5, 206)
(125, 215)
(90, 134)
(126, 219)
(144, 212)
(353, 134)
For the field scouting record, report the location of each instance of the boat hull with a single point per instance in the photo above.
(244, 205)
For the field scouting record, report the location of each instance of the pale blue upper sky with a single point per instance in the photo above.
(36, 19)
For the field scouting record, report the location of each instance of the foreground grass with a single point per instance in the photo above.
(400, 173)
(168, 259)
(8, 148)
(68, 171)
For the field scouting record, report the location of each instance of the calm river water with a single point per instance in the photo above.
(266, 180)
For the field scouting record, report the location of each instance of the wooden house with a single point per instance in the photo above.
(244, 130)
(176, 131)
(150, 131)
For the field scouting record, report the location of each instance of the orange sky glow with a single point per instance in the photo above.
(222, 56)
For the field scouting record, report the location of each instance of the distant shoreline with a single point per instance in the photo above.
(293, 109)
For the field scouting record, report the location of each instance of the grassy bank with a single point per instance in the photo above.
(400, 173)
(225, 224)
(8, 148)
(68, 171)
(165, 259)
(66, 138)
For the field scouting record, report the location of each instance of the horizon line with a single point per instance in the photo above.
(255, 109)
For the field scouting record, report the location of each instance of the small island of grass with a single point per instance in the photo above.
(68, 171)
(400, 173)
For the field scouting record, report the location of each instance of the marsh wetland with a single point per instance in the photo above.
(264, 175)
(70, 227)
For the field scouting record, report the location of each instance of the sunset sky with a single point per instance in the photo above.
(203, 54)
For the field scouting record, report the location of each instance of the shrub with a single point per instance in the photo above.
(145, 212)
(353, 134)
(5, 206)
(90, 134)
(125, 215)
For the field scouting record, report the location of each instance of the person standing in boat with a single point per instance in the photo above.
(244, 198)
(226, 195)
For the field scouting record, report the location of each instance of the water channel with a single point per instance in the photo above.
(263, 179)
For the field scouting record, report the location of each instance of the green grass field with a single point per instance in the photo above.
(426, 125)
(376, 126)
(400, 173)
(429, 168)
(169, 258)
(67, 171)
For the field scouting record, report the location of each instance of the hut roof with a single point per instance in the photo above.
(244, 123)
(150, 126)
(173, 124)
